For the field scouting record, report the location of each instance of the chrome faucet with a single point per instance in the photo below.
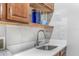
(37, 41)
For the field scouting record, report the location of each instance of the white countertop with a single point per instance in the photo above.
(37, 52)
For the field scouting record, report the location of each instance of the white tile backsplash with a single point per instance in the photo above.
(19, 38)
(21, 47)
(27, 33)
(13, 34)
(2, 31)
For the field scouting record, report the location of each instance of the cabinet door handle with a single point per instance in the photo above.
(10, 10)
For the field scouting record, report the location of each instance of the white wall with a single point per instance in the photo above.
(73, 30)
(59, 21)
(66, 22)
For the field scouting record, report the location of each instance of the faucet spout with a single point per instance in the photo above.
(37, 41)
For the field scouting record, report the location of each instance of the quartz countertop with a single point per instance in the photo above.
(37, 52)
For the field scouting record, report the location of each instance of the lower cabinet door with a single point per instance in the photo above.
(62, 52)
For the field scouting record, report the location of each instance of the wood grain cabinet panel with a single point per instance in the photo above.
(2, 11)
(50, 5)
(43, 7)
(18, 12)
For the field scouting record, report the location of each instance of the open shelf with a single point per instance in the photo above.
(38, 25)
(45, 8)
(30, 24)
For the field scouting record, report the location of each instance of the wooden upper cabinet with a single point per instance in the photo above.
(50, 5)
(2, 11)
(18, 12)
(43, 7)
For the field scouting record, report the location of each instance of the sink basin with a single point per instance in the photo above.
(47, 47)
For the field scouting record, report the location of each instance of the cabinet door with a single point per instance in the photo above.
(44, 7)
(18, 12)
(2, 11)
(50, 5)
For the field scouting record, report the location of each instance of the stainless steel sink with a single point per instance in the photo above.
(47, 47)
